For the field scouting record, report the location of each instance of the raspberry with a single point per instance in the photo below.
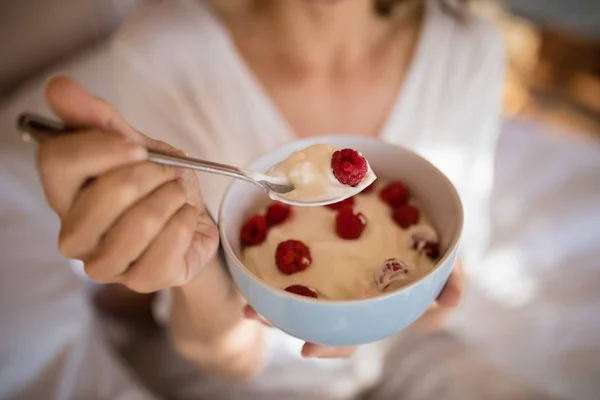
(349, 202)
(301, 290)
(394, 193)
(277, 213)
(369, 188)
(292, 256)
(430, 249)
(348, 166)
(391, 269)
(406, 215)
(254, 231)
(349, 225)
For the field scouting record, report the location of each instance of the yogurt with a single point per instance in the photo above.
(311, 174)
(345, 269)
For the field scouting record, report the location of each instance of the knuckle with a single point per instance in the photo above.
(190, 214)
(140, 287)
(46, 161)
(68, 242)
(182, 231)
(154, 214)
(129, 183)
(139, 284)
(175, 275)
(95, 270)
(116, 144)
(149, 221)
(181, 279)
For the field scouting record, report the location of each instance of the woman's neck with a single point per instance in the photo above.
(313, 35)
(331, 35)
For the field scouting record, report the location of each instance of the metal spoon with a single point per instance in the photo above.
(37, 128)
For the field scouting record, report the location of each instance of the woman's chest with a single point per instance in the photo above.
(353, 105)
(319, 94)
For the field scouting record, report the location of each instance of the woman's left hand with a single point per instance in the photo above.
(449, 297)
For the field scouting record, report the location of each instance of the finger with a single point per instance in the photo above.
(79, 108)
(251, 313)
(451, 294)
(318, 351)
(104, 200)
(205, 244)
(126, 241)
(67, 162)
(163, 263)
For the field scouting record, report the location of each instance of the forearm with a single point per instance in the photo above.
(208, 328)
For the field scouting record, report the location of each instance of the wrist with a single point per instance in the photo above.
(209, 305)
(208, 328)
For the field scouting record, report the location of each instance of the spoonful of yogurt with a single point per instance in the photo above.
(322, 174)
(318, 175)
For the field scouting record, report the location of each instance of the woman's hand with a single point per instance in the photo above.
(448, 298)
(130, 221)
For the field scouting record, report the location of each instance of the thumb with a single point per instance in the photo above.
(80, 109)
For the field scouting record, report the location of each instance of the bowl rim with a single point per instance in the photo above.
(452, 248)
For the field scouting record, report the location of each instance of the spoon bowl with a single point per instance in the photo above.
(355, 190)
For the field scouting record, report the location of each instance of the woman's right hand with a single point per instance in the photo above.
(130, 221)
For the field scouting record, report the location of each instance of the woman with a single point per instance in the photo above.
(229, 81)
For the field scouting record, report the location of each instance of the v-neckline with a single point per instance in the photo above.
(285, 129)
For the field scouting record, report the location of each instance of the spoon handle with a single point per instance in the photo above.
(38, 128)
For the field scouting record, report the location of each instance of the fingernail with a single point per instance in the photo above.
(316, 353)
(249, 313)
(310, 350)
(136, 151)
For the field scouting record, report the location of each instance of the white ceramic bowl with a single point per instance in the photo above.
(353, 322)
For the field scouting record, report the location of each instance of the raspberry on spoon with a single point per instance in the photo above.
(277, 213)
(254, 231)
(348, 166)
(292, 256)
(301, 290)
(349, 225)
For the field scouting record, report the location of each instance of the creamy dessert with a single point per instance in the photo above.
(373, 242)
(322, 172)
